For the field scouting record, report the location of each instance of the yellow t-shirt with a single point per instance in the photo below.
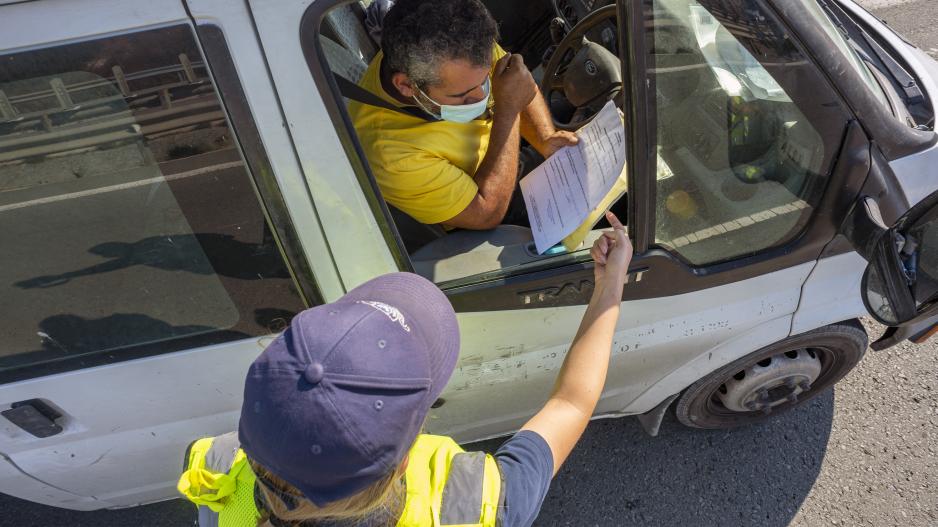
(423, 168)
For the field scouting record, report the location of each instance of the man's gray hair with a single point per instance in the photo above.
(419, 35)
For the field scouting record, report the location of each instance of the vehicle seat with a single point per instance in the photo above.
(342, 61)
(345, 25)
(346, 43)
(348, 49)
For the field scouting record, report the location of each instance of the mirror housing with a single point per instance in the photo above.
(886, 287)
(896, 289)
(865, 227)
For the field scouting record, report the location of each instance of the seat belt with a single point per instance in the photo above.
(353, 91)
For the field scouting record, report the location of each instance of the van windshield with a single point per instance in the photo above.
(842, 41)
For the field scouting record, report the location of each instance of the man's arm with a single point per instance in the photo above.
(495, 177)
(537, 128)
(513, 87)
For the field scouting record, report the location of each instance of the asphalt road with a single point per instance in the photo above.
(913, 19)
(865, 453)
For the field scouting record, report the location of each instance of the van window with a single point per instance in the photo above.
(746, 129)
(459, 256)
(128, 220)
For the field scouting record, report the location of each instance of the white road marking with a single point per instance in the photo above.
(121, 186)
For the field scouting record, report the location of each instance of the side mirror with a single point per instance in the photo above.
(900, 285)
(887, 287)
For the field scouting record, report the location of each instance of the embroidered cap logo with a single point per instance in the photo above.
(391, 312)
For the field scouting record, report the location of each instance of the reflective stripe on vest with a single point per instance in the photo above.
(446, 486)
(220, 482)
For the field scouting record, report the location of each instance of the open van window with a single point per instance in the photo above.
(458, 256)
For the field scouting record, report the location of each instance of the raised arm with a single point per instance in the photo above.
(513, 88)
(565, 415)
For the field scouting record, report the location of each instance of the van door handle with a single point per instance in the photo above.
(35, 417)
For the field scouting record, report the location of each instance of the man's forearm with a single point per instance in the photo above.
(498, 172)
(536, 122)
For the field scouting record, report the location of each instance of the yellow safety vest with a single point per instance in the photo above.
(446, 486)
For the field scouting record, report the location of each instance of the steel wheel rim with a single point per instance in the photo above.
(827, 357)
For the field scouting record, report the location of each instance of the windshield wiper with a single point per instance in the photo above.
(913, 93)
(910, 89)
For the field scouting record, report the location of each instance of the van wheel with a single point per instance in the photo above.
(774, 379)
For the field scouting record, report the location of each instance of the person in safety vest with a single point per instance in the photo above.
(330, 430)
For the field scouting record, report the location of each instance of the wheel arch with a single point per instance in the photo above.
(711, 360)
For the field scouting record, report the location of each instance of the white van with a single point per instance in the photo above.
(180, 177)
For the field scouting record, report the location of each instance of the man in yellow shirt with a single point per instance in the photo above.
(457, 165)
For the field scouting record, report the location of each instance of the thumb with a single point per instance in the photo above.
(517, 61)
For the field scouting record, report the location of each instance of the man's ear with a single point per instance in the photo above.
(403, 84)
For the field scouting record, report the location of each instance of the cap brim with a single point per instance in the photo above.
(427, 310)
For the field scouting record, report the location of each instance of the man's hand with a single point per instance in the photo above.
(555, 141)
(512, 85)
(612, 253)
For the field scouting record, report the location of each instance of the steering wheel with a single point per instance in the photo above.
(585, 72)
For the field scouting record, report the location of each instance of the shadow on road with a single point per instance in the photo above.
(756, 476)
(175, 513)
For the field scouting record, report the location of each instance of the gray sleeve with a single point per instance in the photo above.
(527, 466)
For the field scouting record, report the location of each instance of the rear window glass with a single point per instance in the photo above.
(128, 219)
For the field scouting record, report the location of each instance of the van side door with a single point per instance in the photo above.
(140, 272)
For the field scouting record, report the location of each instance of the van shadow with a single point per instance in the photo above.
(202, 253)
(753, 476)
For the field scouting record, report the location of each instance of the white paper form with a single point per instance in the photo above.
(561, 192)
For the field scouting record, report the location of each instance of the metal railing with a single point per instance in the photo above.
(188, 101)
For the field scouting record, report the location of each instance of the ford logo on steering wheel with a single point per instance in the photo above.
(590, 67)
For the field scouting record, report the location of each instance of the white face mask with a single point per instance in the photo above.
(461, 113)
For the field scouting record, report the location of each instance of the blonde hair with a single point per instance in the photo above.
(385, 497)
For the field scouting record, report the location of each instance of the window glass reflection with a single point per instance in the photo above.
(128, 217)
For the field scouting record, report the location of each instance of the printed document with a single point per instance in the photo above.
(562, 192)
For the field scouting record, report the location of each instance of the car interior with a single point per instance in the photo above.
(438, 255)
(745, 155)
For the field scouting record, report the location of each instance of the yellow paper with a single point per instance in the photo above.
(575, 238)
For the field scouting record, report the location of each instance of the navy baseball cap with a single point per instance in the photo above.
(336, 401)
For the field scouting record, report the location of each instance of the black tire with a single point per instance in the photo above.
(841, 346)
